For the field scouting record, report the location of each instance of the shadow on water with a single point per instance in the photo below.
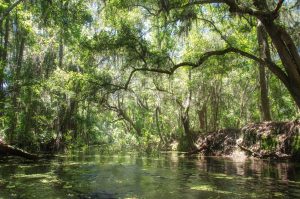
(93, 174)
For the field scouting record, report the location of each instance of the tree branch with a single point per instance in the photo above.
(9, 9)
(204, 57)
(216, 29)
(149, 10)
(279, 5)
(234, 7)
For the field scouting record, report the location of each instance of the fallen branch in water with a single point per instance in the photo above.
(254, 154)
(10, 150)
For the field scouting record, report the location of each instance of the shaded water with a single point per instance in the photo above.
(91, 174)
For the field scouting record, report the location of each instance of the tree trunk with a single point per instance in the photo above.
(62, 111)
(3, 63)
(287, 52)
(126, 117)
(29, 112)
(289, 56)
(157, 112)
(16, 86)
(264, 52)
(61, 126)
(202, 107)
(284, 44)
(60, 52)
(202, 116)
(186, 125)
(215, 105)
(185, 118)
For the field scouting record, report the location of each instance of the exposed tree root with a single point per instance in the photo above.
(272, 155)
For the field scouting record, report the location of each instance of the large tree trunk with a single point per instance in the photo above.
(282, 40)
(286, 49)
(264, 52)
(188, 133)
(289, 56)
(185, 118)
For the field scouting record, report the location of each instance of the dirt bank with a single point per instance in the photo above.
(276, 140)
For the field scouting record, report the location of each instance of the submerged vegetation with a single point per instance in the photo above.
(93, 175)
(148, 75)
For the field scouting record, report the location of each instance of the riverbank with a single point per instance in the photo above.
(275, 140)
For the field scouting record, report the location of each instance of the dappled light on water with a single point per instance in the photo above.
(91, 174)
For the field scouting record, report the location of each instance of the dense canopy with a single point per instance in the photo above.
(144, 73)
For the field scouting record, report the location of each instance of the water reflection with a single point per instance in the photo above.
(92, 174)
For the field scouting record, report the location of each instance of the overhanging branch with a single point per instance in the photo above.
(279, 5)
(235, 8)
(9, 9)
(204, 57)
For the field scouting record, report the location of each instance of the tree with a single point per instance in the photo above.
(264, 51)
(260, 10)
(141, 73)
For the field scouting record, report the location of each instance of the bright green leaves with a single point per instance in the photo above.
(3, 5)
(79, 57)
(67, 16)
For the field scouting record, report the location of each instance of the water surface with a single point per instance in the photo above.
(92, 174)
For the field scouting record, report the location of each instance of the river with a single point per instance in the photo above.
(94, 174)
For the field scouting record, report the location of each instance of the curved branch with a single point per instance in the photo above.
(204, 57)
(9, 9)
(216, 29)
(235, 8)
(151, 11)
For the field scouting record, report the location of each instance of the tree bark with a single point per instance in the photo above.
(285, 47)
(202, 117)
(264, 51)
(185, 118)
(288, 58)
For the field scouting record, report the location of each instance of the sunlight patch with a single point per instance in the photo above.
(203, 188)
(210, 189)
(223, 176)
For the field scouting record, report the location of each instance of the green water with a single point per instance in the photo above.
(92, 174)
